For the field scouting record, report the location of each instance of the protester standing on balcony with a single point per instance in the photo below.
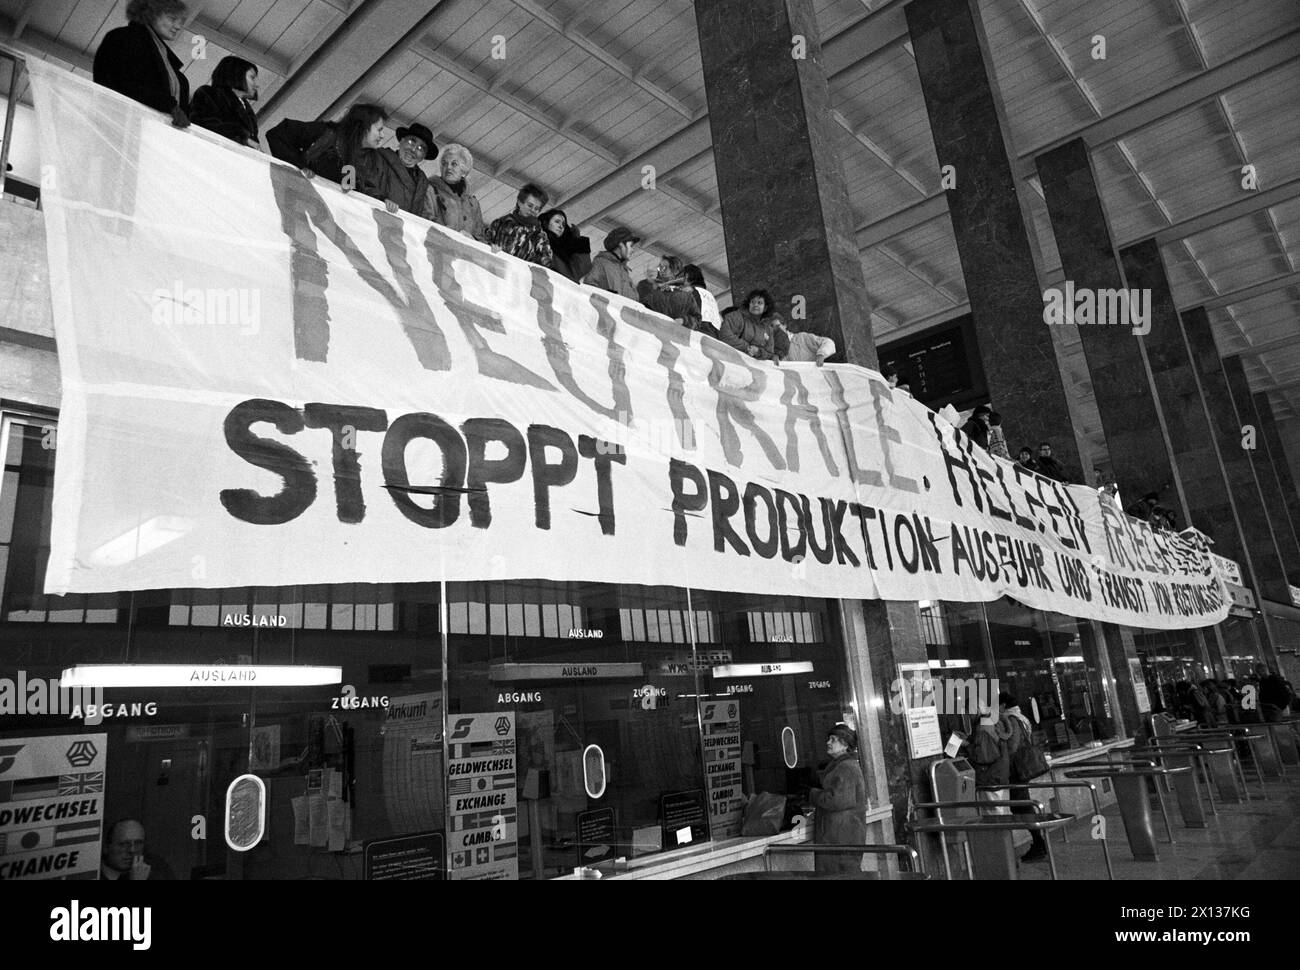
(520, 233)
(670, 294)
(807, 347)
(755, 329)
(135, 60)
(977, 428)
(396, 175)
(997, 439)
(710, 318)
(449, 202)
(609, 269)
(1049, 466)
(225, 104)
(343, 152)
(572, 250)
(1025, 458)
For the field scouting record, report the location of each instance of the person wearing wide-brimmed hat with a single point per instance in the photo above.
(840, 816)
(396, 175)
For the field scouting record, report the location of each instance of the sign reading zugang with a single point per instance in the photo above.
(411, 398)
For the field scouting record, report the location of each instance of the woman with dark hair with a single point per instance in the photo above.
(753, 328)
(224, 104)
(327, 148)
(135, 60)
(571, 250)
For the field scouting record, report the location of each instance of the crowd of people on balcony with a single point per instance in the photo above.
(136, 61)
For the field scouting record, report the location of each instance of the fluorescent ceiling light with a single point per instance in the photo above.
(574, 671)
(200, 675)
(776, 669)
(1069, 660)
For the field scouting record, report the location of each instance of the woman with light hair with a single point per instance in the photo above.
(449, 202)
(135, 60)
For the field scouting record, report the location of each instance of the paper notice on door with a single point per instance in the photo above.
(301, 822)
(337, 814)
(318, 816)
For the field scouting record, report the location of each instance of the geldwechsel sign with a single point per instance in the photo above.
(286, 384)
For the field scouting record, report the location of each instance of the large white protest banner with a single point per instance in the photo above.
(270, 382)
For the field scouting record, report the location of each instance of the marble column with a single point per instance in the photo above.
(1200, 480)
(1273, 504)
(786, 216)
(1278, 456)
(989, 221)
(788, 227)
(1131, 417)
(1260, 562)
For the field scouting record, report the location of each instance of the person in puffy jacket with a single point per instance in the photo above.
(609, 269)
(754, 328)
(840, 816)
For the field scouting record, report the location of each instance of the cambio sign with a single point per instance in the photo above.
(413, 405)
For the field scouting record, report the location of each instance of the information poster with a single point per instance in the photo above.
(723, 774)
(413, 792)
(596, 837)
(685, 818)
(51, 805)
(482, 816)
(922, 716)
(1139, 685)
(409, 857)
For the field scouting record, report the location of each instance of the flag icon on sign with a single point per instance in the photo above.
(89, 781)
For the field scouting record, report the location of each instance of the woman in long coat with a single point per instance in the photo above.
(841, 803)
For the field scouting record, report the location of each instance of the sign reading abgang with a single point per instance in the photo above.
(407, 397)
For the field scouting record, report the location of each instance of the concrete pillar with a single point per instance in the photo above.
(788, 227)
(1131, 418)
(1278, 456)
(1272, 505)
(785, 209)
(989, 221)
(1259, 558)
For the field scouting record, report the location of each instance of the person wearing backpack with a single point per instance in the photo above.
(987, 752)
(1027, 762)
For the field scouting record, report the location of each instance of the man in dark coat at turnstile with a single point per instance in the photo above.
(841, 803)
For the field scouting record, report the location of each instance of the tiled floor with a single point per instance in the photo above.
(1255, 840)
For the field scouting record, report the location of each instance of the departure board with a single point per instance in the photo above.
(941, 365)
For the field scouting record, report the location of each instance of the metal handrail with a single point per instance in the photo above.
(913, 857)
(11, 109)
(1056, 785)
(995, 802)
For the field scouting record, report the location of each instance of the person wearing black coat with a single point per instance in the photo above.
(571, 249)
(977, 428)
(224, 105)
(327, 148)
(135, 60)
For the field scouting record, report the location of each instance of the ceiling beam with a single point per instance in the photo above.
(1282, 343)
(870, 234)
(370, 32)
(841, 52)
(528, 110)
(1175, 100)
(1231, 212)
(597, 50)
(1244, 293)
